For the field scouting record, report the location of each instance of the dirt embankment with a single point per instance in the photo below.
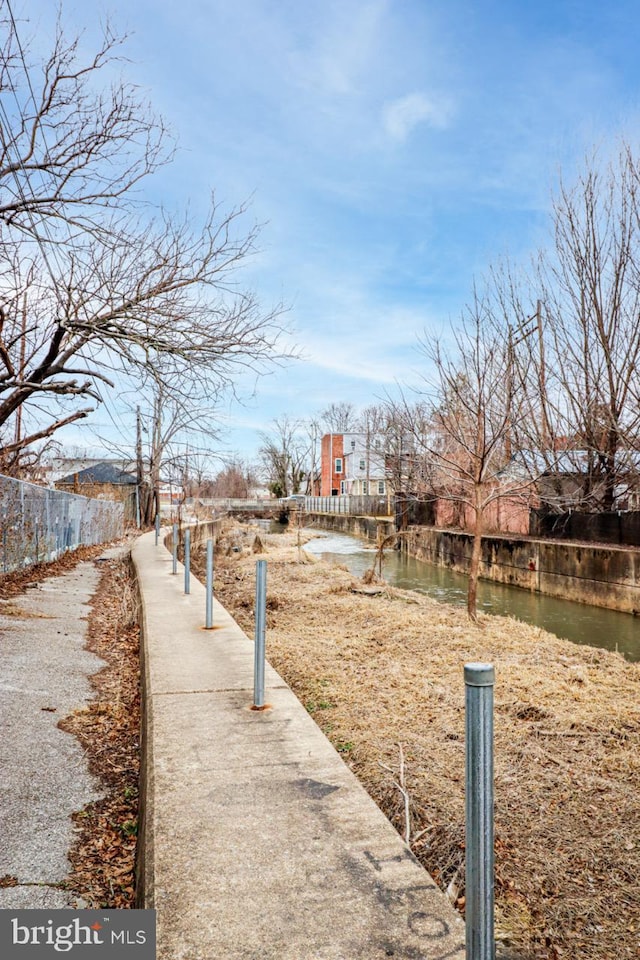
(382, 675)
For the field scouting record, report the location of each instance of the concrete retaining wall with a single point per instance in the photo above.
(199, 532)
(602, 576)
(366, 527)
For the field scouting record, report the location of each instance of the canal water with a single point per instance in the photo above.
(578, 622)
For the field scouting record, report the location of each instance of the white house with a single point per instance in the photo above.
(364, 466)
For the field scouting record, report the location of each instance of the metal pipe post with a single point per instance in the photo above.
(209, 586)
(261, 619)
(174, 541)
(157, 528)
(187, 561)
(479, 680)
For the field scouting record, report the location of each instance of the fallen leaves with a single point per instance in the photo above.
(104, 854)
(14, 583)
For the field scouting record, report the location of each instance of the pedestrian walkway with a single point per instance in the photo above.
(258, 840)
(45, 776)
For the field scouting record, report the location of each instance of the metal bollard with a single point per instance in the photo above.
(187, 561)
(209, 586)
(157, 528)
(174, 541)
(261, 619)
(138, 515)
(479, 680)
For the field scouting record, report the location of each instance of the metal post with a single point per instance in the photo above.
(479, 680)
(187, 561)
(209, 586)
(261, 617)
(157, 528)
(174, 541)
(47, 508)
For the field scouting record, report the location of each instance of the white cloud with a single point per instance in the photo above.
(333, 50)
(400, 117)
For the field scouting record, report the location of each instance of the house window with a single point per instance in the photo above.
(338, 464)
(362, 464)
(353, 444)
(365, 487)
(342, 488)
(380, 486)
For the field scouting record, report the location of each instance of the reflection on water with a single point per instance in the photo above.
(579, 622)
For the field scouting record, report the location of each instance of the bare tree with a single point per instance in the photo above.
(237, 479)
(590, 291)
(90, 283)
(177, 431)
(314, 434)
(387, 440)
(284, 456)
(339, 417)
(460, 425)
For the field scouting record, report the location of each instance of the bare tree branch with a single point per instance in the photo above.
(91, 282)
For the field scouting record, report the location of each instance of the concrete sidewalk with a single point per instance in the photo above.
(45, 776)
(258, 840)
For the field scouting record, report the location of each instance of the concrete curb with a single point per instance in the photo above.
(256, 838)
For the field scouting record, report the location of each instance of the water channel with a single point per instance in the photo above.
(578, 622)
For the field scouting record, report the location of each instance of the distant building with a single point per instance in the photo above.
(102, 480)
(351, 465)
(60, 468)
(331, 464)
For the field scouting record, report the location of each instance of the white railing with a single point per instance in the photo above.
(352, 505)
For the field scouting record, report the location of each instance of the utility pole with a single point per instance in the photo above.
(23, 351)
(509, 397)
(523, 331)
(546, 429)
(139, 466)
(185, 474)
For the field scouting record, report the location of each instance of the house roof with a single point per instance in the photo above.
(100, 473)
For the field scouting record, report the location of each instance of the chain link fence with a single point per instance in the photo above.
(38, 524)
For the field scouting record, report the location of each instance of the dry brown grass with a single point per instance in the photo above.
(386, 670)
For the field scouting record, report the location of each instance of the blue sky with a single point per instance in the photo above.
(393, 149)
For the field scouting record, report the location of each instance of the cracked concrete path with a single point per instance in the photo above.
(44, 773)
